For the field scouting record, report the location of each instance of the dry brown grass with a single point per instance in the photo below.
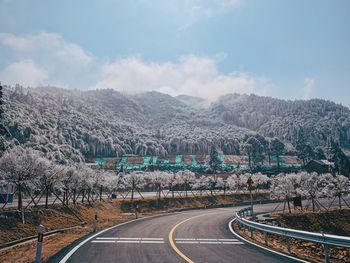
(330, 221)
(52, 244)
(109, 213)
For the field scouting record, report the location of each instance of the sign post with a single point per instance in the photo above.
(39, 247)
(250, 188)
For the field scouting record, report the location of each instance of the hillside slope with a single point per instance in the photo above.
(71, 125)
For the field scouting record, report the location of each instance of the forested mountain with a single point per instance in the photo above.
(70, 125)
(314, 121)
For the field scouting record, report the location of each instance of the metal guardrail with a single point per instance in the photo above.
(325, 239)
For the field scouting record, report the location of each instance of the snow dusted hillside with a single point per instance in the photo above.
(72, 125)
(315, 121)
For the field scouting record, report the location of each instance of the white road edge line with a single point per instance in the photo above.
(128, 241)
(107, 238)
(71, 252)
(206, 239)
(104, 241)
(152, 242)
(129, 238)
(211, 242)
(262, 247)
(233, 243)
(187, 242)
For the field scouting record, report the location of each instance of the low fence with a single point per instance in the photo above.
(325, 239)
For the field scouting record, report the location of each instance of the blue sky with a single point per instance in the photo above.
(285, 49)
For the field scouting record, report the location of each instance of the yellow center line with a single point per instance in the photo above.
(172, 243)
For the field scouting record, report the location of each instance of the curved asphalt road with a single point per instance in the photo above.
(194, 236)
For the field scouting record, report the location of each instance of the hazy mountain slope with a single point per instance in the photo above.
(108, 123)
(315, 121)
(194, 102)
(70, 124)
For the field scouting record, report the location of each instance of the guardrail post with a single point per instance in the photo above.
(326, 253)
(251, 232)
(266, 238)
(288, 244)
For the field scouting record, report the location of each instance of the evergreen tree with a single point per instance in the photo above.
(215, 161)
(341, 161)
(257, 150)
(277, 149)
(319, 153)
(304, 150)
(2, 126)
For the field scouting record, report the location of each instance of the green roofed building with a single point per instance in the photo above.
(195, 163)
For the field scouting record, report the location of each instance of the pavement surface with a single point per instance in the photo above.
(192, 236)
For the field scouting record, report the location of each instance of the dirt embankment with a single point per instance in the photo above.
(331, 222)
(109, 213)
(336, 222)
(54, 218)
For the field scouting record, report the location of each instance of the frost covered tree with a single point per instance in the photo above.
(314, 185)
(20, 166)
(172, 182)
(233, 182)
(134, 181)
(260, 181)
(186, 179)
(48, 178)
(221, 184)
(337, 187)
(211, 184)
(286, 186)
(159, 180)
(70, 179)
(85, 182)
(200, 184)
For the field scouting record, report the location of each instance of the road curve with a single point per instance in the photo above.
(193, 236)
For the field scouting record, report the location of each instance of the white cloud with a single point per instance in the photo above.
(24, 72)
(309, 87)
(189, 12)
(48, 59)
(63, 61)
(190, 75)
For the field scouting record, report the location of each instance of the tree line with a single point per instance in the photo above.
(37, 178)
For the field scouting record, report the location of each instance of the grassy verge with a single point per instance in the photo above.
(109, 213)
